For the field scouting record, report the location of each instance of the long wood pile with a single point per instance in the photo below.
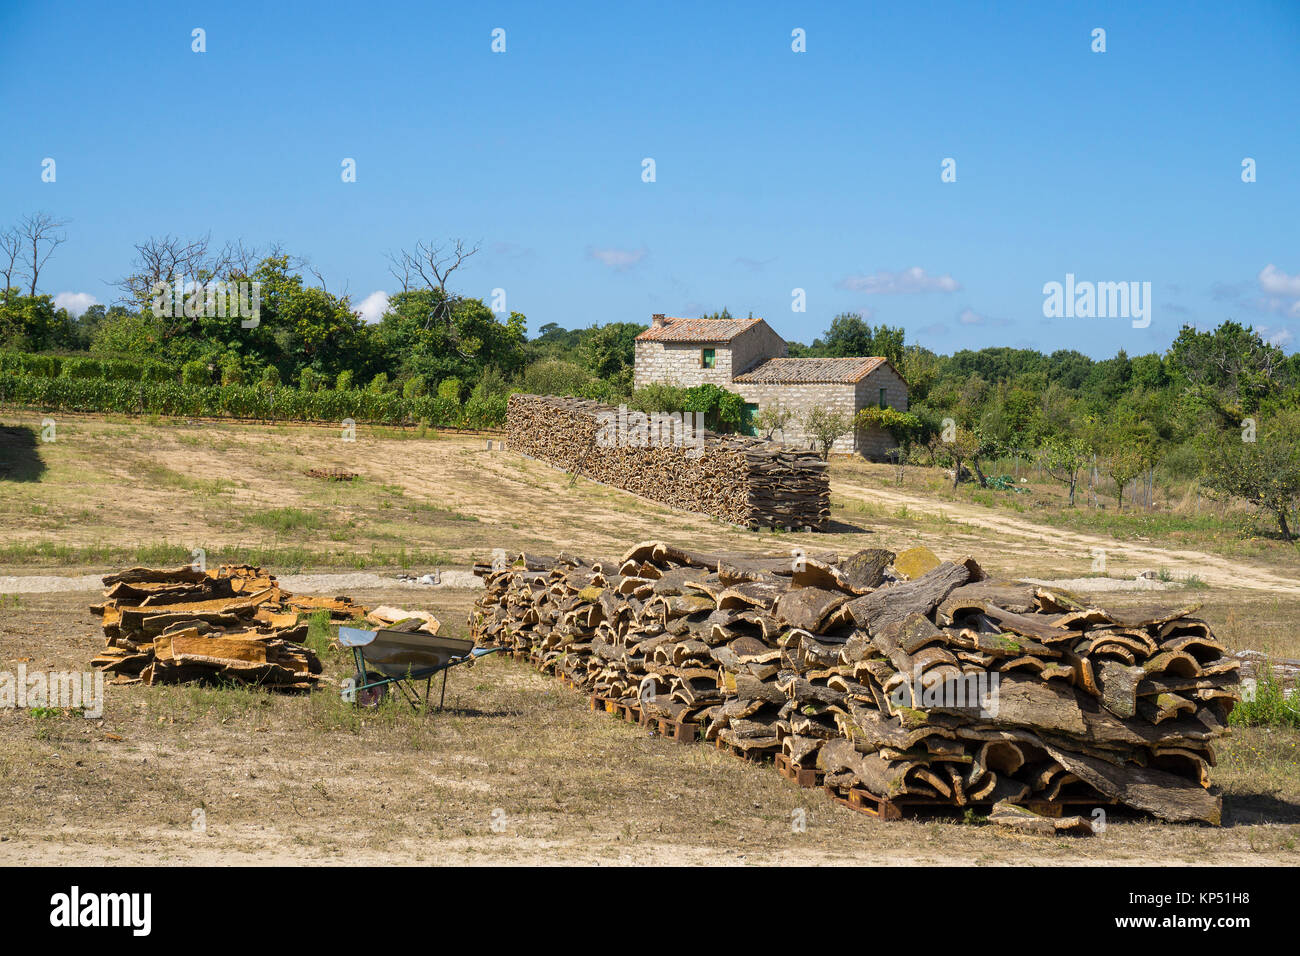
(743, 480)
(173, 625)
(944, 688)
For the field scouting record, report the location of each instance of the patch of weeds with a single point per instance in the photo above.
(320, 636)
(1268, 706)
(285, 520)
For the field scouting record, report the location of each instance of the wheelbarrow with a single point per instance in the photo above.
(389, 658)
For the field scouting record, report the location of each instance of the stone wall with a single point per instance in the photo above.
(799, 399)
(679, 363)
(876, 443)
(743, 480)
(754, 345)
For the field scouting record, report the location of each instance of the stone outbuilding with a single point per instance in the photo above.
(747, 357)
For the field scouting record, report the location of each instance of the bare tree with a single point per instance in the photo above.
(240, 260)
(39, 236)
(162, 259)
(432, 265)
(11, 245)
(320, 280)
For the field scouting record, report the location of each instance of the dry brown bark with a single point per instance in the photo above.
(879, 685)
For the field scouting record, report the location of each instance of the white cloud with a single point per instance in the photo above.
(620, 260)
(1279, 337)
(1273, 281)
(373, 306)
(969, 316)
(907, 282)
(75, 302)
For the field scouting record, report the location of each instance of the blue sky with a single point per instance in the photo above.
(774, 170)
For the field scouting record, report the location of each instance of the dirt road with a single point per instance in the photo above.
(1026, 536)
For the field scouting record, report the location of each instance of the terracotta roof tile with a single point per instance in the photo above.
(800, 371)
(696, 330)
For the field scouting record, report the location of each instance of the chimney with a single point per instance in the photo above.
(657, 320)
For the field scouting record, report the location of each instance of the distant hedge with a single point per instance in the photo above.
(71, 392)
(85, 368)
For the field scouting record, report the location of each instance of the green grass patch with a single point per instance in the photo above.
(1267, 706)
(284, 520)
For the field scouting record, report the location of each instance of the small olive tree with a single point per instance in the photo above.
(826, 427)
(1064, 458)
(772, 419)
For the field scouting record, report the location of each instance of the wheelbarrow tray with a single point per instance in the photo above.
(412, 653)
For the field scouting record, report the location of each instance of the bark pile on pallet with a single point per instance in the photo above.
(174, 625)
(743, 480)
(912, 679)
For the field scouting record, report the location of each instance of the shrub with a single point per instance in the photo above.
(554, 377)
(414, 388)
(82, 368)
(451, 389)
(195, 373)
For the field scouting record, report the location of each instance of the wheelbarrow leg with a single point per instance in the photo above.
(443, 698)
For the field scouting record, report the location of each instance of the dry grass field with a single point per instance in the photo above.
(517, 770)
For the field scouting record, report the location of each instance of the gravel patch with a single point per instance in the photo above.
(356, 581)
(1105, 584)
(50, 583)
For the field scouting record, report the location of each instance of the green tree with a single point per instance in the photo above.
(1264, 472)
(1122, 463)
(1065, 458)
(1232, 369)
(826, 427)
(609, 351)
(772, 418)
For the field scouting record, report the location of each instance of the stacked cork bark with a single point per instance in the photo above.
(233, 623)
(743, 480)
(901, 677)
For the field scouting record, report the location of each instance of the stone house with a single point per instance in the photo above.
(747, 357)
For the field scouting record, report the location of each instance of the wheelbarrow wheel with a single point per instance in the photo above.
(369, 697)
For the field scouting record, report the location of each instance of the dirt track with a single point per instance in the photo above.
(1213, 570)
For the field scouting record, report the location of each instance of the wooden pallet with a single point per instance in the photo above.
(751, 756)
(884, 808)
(611, 705)
(681, 731)
(802, 776)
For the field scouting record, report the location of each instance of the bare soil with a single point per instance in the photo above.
(517, 769)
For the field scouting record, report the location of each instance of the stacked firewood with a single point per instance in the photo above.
(906, 677)
(743, 480)
(174, 625)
